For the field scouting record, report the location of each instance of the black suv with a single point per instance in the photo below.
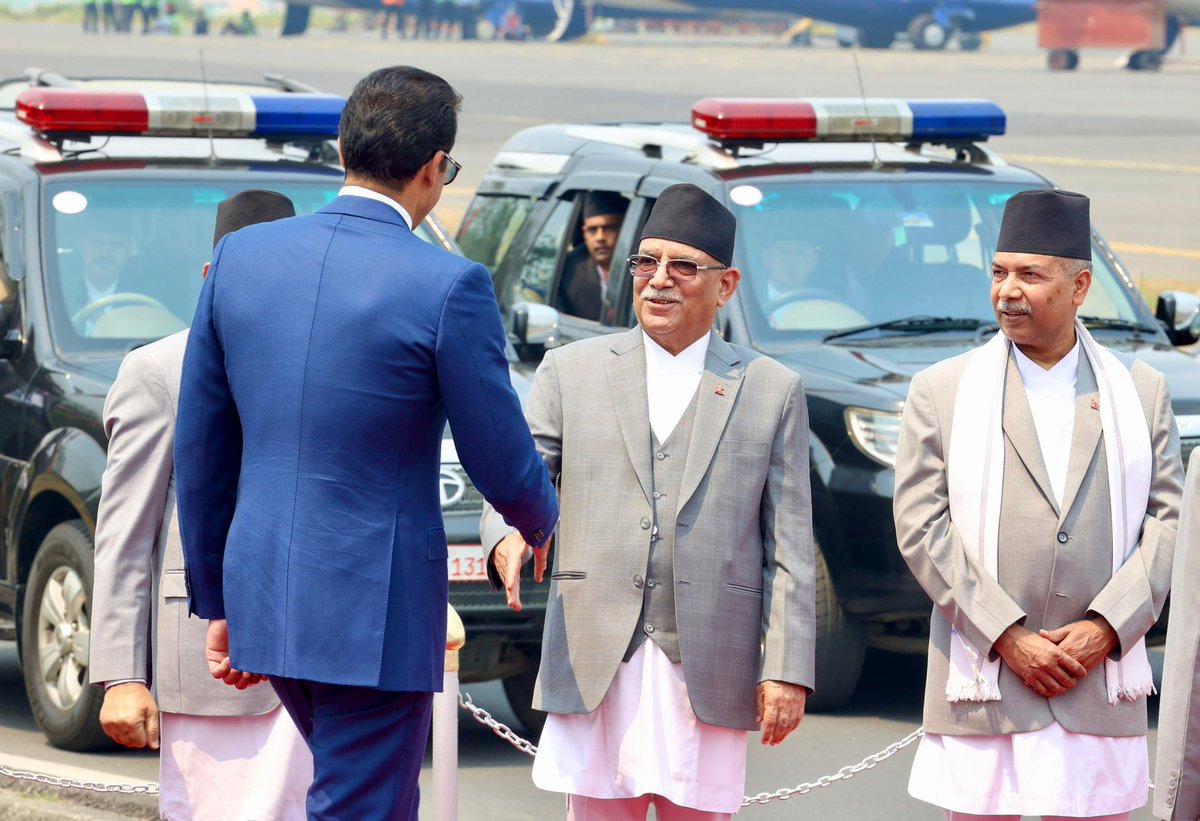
(126, 184)
(865, 236)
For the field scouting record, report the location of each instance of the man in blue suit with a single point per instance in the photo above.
(327, 353)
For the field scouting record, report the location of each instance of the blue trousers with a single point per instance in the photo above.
(367, 748)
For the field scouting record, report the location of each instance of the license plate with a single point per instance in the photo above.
(466, 563)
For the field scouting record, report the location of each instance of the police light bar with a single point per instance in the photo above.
(81, 113)
(777, 120)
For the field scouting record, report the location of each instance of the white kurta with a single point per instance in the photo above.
(230, 768)
(1049, 771)
(644, 738)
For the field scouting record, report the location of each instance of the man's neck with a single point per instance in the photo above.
(673, 346)
(1046, 357)
(406, 196)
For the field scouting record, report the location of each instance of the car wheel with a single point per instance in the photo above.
(519, 691)
(841, 645)
(56, 635)
(1062, 60)
(927, 34)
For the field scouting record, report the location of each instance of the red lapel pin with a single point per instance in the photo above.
(720, 391)
(1095, 404)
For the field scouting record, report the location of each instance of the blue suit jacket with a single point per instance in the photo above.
(326, 355)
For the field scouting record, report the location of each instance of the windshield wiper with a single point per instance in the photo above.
(1116, 324)
(915, 325)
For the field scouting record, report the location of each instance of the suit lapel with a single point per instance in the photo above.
(626, 372)
(1020, 431)
(1086, 433)
(722, 368)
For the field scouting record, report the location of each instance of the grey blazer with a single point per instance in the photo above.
(1177, 774)
(139, 601)
(743, 558)
(1055, 564)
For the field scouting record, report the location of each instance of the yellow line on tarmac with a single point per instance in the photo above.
(1155, 250)
(1118, 165)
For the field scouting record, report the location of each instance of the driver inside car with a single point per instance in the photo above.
(807, 281)
(104, 252)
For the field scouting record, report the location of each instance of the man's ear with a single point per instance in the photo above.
(730, 278)
(204, 270)
(341, 161)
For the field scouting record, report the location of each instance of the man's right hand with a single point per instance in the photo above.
(130, 716)
(507, 557)
(1044, 668)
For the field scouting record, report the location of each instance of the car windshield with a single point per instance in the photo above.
(123, 256)
(820, 259)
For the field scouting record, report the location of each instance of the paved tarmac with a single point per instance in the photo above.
(1128, 140)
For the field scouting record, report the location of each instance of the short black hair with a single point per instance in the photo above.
(396, 119)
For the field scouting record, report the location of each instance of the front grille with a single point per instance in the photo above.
(459, 494)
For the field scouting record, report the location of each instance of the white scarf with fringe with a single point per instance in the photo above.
(975, 474)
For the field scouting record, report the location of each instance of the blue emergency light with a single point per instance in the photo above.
(71, 112)
(777, 120)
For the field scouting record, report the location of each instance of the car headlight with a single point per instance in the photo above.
(876, 433)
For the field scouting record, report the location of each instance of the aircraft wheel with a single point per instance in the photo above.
(1145, 61)
(876, 38)
(1062, 60)
(927, 34)
(970, 41)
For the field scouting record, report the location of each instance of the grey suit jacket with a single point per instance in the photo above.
(1055, 565)
(139, 602)
(743, 559)
(1177, 774)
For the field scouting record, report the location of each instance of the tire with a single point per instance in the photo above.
(295, 20)
(1062, 60)
(56, 634)
(927, 34)
(1145, 61)
(841, 645)
(876, 38)
(970, 41)
(519, 691)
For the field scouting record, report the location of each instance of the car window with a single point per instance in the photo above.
(589, 265)
(539, 265)
(490, 226)
(123, 257)
(817, 258)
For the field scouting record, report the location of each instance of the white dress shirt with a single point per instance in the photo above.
(644, 738)
(1048, 771)
(367, 193)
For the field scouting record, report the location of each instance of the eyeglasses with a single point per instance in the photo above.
(450, 169)
(643, 266)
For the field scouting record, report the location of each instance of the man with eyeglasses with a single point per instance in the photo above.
(327, 354)
(681, 610)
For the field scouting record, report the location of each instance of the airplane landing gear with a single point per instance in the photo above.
(927, 34)
(1062, 60)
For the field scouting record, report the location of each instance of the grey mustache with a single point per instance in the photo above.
(653, 293)
(1004, 306)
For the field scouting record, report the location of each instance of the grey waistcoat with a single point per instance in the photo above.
(658, 587)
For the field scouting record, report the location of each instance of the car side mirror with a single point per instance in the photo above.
(1179, 314)
(534, 330)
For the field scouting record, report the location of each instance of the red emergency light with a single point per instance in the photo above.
(768, 120)
(60, 110)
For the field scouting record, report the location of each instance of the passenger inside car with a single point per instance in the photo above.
(583, 286)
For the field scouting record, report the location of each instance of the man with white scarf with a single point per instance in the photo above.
(1038, 481)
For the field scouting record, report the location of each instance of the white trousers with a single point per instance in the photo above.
(582, 808)
(962, 816)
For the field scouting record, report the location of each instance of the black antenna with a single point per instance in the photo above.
(862, 90)
(208, 115)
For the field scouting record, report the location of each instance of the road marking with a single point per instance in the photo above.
(1155, 250)
(1117, 165)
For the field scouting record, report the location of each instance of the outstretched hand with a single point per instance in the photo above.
(216, 651)
(508, 556)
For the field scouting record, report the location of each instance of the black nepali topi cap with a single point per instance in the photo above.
(687, 214)
(603, 203)
(1047, 222)
(249, 208)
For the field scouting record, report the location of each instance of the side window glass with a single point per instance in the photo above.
(589, 267)
(537, 273)
(490, 226)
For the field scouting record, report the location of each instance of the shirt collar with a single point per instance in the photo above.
(1064, 371)
(94, 294)
(689, 361)
(367, 193)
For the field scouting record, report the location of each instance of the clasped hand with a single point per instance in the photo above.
(507, 558)
(1051, 662)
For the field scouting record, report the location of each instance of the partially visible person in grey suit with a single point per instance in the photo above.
(1177, 771)
(681, 609)
(1037, 496)
(221, 748)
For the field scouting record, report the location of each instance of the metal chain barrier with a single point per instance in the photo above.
(89, 786)
(845, 773)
